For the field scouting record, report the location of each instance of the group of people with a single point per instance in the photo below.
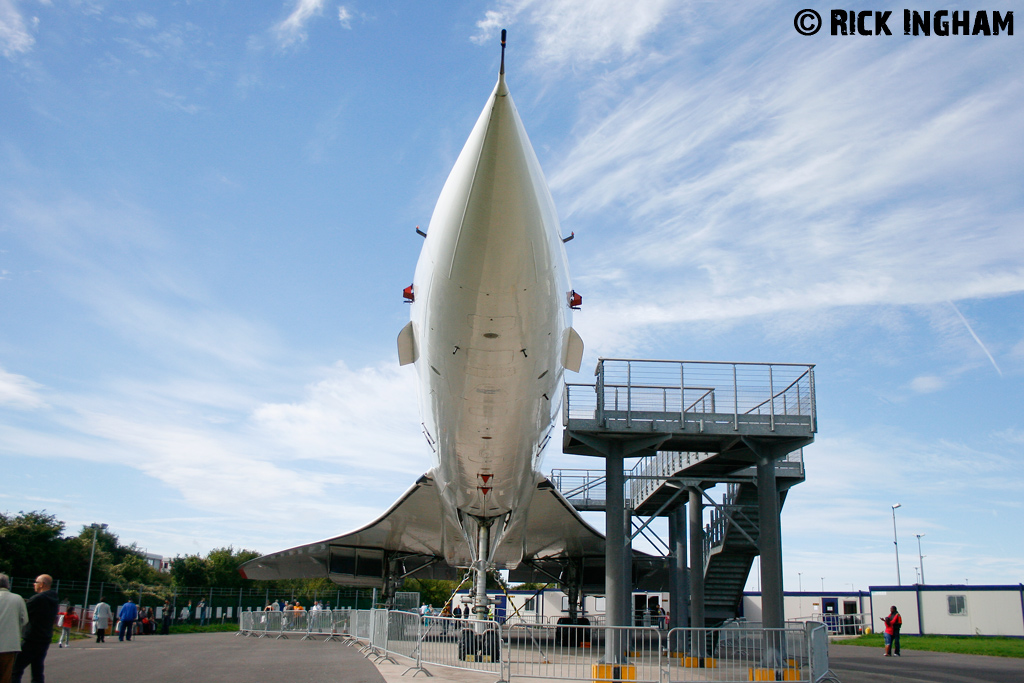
(294, 605)
(26, 628)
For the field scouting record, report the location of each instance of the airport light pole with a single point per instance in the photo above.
(85, 607)
(800, 581)
(920, 557)
(896, 545)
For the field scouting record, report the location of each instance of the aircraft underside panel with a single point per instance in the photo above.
(409, 534)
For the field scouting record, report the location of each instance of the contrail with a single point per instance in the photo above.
(971, 330)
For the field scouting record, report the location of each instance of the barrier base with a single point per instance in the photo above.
(688, 662)
(603, 673)
(761, 674)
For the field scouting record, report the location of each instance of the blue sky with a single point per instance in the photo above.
(206, 222)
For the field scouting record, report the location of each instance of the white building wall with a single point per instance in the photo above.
(989, 610)
(806, 605)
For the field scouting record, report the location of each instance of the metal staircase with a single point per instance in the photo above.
(729, 552)
(730, 537)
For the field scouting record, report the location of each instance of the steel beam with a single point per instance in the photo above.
(696, 515)
(615, 549)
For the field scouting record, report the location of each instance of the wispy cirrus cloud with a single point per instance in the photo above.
(292, 30)
(567, 32)
(15, 37)
(769, 184)
(345, 17)
(19, 392)
(115, 259)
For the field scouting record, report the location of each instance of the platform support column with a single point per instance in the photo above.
(696, 515)
(678, 583)
(615, 549)
(770, 542)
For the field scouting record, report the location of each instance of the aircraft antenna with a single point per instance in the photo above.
(502, 51)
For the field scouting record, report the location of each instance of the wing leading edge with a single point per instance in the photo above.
(408, 541)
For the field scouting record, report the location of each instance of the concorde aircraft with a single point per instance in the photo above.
(490, 336)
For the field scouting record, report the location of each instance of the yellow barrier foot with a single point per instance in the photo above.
(604, 673)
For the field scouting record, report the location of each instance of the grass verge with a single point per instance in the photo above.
(966, 645)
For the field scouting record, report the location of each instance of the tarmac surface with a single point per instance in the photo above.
(226, 658)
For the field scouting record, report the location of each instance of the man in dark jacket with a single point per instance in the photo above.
(42, 613)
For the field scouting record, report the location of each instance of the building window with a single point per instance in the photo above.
(957, 605)
(530, 605)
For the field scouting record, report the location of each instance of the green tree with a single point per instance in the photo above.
(190, 570)
(222, 567)
(31, 544)
(432, 591)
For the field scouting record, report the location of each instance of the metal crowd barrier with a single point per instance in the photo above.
(732, 654)
(585, 653)
(310, 624)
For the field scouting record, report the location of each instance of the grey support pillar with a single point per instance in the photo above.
(696, 567)
(615, 548)
(627, 567)
(769, 541)
(678, 583)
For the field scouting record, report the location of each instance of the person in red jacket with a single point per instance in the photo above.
(893, 624)
(67, 621)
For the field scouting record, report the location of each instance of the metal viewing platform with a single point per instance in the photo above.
(701, 407)
(693, 424)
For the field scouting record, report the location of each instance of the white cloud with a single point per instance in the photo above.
(14, 34)
(353, 418)
(771, 185)
(19, 391)
(293, 29)
(355, 431)
(572, 32)
(927, 384)
(344, 17)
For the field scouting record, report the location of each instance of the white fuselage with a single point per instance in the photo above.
(491, 321)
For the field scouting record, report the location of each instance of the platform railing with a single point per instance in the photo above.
(654, 391)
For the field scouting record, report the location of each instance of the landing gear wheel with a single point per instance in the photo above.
(490, 644)
(467, 644)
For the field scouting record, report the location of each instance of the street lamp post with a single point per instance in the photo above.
(85, 607)
(920, 557)
(800, 581)
(896, 544)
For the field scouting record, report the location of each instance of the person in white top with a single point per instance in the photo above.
(13, 617)
(101, 617)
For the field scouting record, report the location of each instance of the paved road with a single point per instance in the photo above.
(207, 658)
(853, 664)
(224, 658)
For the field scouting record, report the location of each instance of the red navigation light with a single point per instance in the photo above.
(409, 295)
(575, 300)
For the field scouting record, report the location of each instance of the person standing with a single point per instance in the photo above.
(42, 612)
(13, 619)
(186, 612)
(127, 614)
(165, 618)
(893, 624)
(201, 612)
(101, 618)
